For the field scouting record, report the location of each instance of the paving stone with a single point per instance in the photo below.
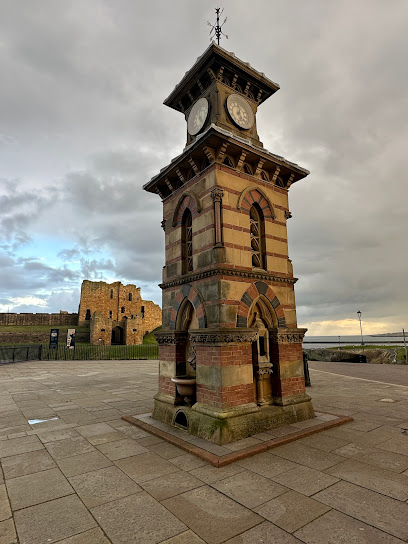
(184, 538)
(166, 450)
(69, 447)
(121, 448)
(19, 445)
(104, 485)
(139, 519)
(249, 489)
(146, 466)
(93, 536)
(399, 444)
(86, 462)
(335, 527)
(210, 474)
(378, 479)
(5, 511)
(94, 429)
(324, 443)
(266, 533)
(291, 510)
(211, 515)
(187, 462)
(267, 465)
(305, 455)
(53, 521)
(27, 463)
(305, 480)
(36, 488)
(389, 515)
(375, 456)
(8, 532)
(60, 434)
(149, 440)
(171, 484)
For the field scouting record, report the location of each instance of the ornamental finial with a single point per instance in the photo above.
(216, 30)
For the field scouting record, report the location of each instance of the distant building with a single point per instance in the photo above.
(116, 313)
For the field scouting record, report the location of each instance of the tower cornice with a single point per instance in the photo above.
(211, 148)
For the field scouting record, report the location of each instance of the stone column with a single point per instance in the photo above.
(217, 195)
(288, 380)
(172, 362)
(224, 370)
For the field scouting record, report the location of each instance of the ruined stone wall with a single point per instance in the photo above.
(63, 318)
(117, 305)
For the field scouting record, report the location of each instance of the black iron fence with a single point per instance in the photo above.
(82, 352)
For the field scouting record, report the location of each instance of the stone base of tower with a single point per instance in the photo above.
(236, 395)
(222, 427)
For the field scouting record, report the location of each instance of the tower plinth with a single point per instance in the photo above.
(229, 313)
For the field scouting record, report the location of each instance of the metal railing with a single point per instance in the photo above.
(82, 352)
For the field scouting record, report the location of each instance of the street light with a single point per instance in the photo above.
(361, 329)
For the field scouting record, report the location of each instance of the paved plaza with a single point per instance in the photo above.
(84, 476)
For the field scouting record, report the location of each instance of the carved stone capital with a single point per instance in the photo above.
(217, 193)
(223, 336)
(288, 336)
(169, 338)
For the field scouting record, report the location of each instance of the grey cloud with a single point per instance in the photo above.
(82, 111)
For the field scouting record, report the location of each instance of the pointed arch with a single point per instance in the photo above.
(252, 195)
(190, 293)
(260, 291)
(187, 200)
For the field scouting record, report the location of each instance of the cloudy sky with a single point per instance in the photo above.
(83, 127)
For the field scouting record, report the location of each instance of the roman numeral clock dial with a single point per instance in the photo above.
(240, 111)
(197, 116)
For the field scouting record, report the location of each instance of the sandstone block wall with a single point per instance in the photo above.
(63, 318)
(116, 306)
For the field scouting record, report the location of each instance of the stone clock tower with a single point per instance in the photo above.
(230, 351)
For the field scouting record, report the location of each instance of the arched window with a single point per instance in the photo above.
(247, 169)
(142, 311)
(110, 314)
(122, 310)
(111, 293)
(88, 315)
(187, 242)
(264, 175)
(257, 237)
(228, 162)
(205, 163)
(130, 297)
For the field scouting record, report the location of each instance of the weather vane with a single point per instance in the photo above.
(216, 30)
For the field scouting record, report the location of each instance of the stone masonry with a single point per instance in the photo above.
(229, 314)
(116, 313)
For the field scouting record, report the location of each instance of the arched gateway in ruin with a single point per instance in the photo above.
(229, 315)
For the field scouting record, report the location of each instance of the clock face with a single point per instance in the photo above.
(197, 116)
(240, 111)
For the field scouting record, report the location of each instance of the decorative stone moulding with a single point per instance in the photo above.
(289, 336)
(229, 336)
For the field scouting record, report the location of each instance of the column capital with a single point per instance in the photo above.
(217, 193)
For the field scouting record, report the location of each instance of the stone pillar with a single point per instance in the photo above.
(288, 380)
(217, 195)
(172, 362)
(224, 370)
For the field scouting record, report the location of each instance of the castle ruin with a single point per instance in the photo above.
(116, 313)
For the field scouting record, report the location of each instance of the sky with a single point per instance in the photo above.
(83, 127)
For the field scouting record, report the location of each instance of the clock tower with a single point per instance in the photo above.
(230, 351)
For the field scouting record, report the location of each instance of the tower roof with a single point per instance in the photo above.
(215, 63)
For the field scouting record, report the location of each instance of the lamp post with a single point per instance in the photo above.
(361, 329)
